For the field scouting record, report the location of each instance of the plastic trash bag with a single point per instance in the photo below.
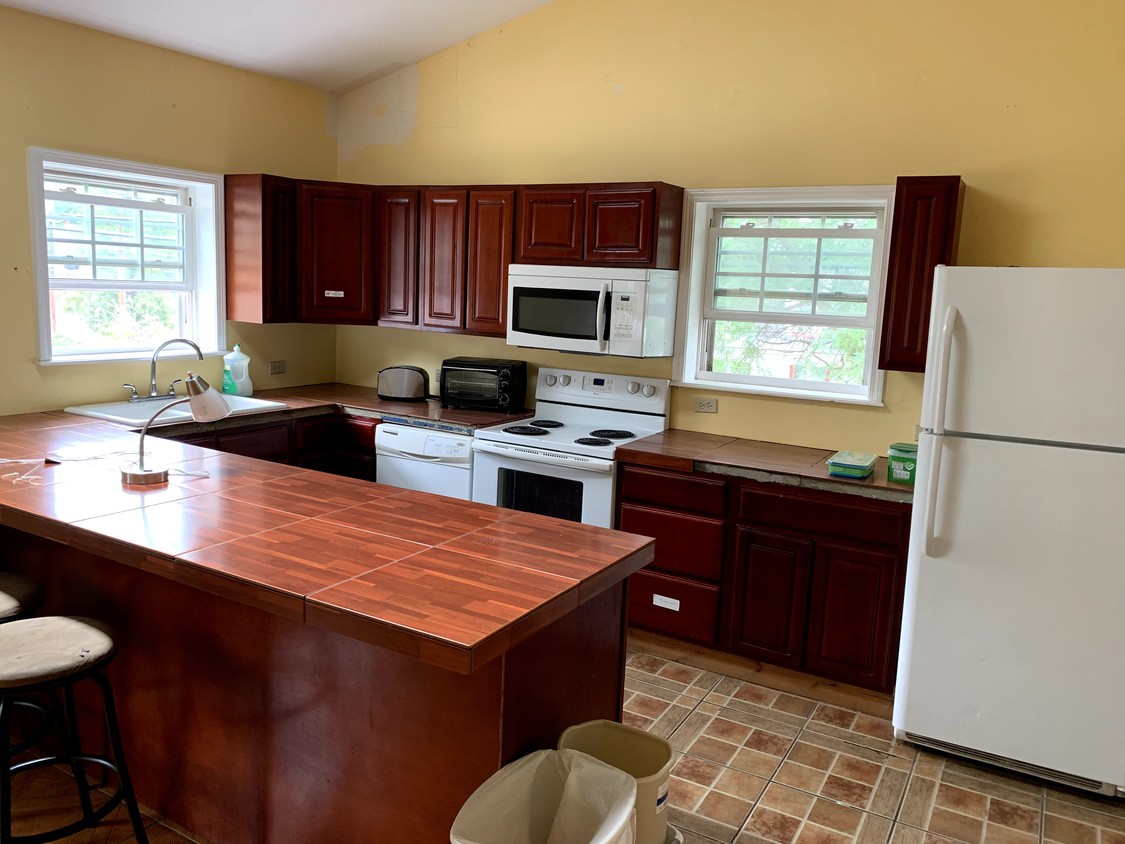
(550, 797)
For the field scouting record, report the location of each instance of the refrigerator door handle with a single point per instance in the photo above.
(941, 372)
(928, 537)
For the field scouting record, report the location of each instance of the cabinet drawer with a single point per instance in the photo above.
(826, 514)
(685, 543)
(674, 490)
(268, 443)
(696, 616)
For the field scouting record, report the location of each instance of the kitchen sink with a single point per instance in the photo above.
(135, 414)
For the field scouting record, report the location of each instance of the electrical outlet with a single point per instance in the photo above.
(706, 405)
(277, 367)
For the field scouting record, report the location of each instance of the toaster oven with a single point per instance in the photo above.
(483, 384)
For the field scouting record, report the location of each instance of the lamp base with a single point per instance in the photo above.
(136, 476)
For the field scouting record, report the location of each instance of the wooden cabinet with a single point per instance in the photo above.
(261, 248)
(627, 224)
(679, 592)
(336, 255)
(267, 441)
(397, 261)
(466, 247)
(923, 234)
(818, 581)
(340, 445)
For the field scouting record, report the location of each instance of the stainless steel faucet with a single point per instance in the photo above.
(152, 391)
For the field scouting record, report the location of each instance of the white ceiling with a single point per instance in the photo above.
(334, 45)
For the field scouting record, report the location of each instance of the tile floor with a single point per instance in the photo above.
(758, 765)
(762, 765)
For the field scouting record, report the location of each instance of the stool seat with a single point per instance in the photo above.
(40, 650)
(19, 594)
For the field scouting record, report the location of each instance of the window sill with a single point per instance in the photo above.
(125, 357)
(778, 393)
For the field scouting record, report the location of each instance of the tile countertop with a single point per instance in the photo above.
(453, 583)
(688, 451)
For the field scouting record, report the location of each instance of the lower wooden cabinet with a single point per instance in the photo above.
(808, 579)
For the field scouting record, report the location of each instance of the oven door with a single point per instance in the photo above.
(579, 489)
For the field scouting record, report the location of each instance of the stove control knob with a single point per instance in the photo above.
(551, 379)
(632, 387)
(564, 380)
(648, 391)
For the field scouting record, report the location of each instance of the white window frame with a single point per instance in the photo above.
(204, 259)
(699, 207)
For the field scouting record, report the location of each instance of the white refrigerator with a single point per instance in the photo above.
(1013, 629)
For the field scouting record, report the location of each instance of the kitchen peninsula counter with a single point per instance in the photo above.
(306, 657)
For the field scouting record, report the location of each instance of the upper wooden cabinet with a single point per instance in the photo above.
(491, 220)
(336, 256)
(261, 248)
(397, 261)
(627, 224)
(923, 234)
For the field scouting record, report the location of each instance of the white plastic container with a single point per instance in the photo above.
(236, 373)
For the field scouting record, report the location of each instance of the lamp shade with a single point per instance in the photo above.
(206, 403)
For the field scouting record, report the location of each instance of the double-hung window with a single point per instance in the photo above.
(127, 256)
(784, 291)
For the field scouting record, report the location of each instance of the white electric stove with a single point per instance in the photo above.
(561, 461)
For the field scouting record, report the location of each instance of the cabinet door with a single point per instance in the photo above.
(551, 224)
(261, 248)
(397, 213)
(686, 544)
(619, 225)
(771, 596)
(491, 214)
(855, 603)
(266, 442)
(923, 234)
(336, 258)
(442, 277)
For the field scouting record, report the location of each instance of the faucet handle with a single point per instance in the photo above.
(132, 392)
(172, 386)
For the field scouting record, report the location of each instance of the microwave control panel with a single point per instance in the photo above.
(625, 316)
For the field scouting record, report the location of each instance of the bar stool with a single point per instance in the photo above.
(52, 654)
(20, 596)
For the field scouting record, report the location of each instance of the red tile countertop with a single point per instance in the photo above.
(454, 583)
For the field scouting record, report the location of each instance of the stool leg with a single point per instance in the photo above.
(72, 745)
(119, 758)
(5, 774)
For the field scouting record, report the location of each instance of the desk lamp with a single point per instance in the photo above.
(206, 404)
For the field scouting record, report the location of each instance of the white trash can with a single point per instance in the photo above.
(550, 797)
(645, 757)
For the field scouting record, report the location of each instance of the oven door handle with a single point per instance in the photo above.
(550, 458)
(602, 320)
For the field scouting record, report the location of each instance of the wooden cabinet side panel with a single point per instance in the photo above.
(337, 270)
(261, 248)
(773, 583)
(550, 224)
(442, 277)
(923, 234)
(397, 212)
(855, 599)
(491, 216)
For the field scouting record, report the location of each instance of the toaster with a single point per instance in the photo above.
(403, 383)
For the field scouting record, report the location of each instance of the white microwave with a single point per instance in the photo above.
(595, 310)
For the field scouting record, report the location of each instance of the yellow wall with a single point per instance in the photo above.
(69, 88)
(1022, 101)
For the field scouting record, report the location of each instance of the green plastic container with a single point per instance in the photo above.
(851, 464)
(902, 462)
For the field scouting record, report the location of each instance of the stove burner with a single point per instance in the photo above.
(593, 441)
(545, 423)
(612, 433)
(526, 431)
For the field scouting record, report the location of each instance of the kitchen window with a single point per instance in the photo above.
(127, 255)
(783, 292)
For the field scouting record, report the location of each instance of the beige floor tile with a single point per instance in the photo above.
(743, 740)
(655, 709)
(787, 816)
(657, 671)
(858, 728)
(759, 700)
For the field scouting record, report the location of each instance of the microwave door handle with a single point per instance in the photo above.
(602, 319)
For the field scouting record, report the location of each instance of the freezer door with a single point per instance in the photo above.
(1033, 353)
(1013, 623)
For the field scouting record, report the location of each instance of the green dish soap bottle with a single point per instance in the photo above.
(236, 373)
